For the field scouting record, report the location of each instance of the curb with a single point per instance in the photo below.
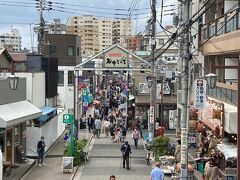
(31, 167)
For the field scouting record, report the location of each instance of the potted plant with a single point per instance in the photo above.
(160, 146)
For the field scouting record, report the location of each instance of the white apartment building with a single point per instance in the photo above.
(55, 27)
(122, 28)
(105, 33)
(98, 34)
(11, 40)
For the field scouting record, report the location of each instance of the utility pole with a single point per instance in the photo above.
(41, 26)
(42, 5)
(153, 79)
(185, 92)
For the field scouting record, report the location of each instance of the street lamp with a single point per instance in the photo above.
(13, 81)
(211, 80)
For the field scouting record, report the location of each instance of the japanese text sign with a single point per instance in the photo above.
(116, 58)
(199, 93)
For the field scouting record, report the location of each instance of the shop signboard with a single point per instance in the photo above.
(199, 94)
(67, 118)
(67, 165)
(116, 58)
(158, 93)
(151, 115)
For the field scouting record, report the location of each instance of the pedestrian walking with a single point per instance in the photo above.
(98, 127)
(41, 150)
(112, 132)
(124, 132)
(106, 126)
(90, 123)
(177, 153)
(126, 151)
(135, 136)
(65, 139)
(139, 127)
(157, 173)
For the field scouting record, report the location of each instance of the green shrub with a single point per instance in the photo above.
(160, 146)
(78, 153)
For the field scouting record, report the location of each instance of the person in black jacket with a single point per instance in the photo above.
(126, 151)
(41, 150)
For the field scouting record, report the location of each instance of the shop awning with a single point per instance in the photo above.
(17, 112)
(47, 113)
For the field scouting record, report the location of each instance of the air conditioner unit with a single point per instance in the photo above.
(230, 125)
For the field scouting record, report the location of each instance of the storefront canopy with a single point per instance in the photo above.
(18, 112)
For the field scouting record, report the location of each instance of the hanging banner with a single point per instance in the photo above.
(199, 90)
(151, 115)
(159, 90)
(116, 58)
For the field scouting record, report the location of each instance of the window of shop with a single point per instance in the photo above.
(70, 78)
(61, 78)
(2, 140)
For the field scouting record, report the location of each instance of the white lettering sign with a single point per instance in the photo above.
(199, 94)
(116, 58)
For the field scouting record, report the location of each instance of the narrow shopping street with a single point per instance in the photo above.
(105, 160)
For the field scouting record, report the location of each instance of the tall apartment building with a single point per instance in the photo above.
(121, 30)
(11, 40)
(98, 34)
(55, 27)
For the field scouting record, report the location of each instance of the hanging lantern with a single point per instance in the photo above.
(211, 80)
(13, 82)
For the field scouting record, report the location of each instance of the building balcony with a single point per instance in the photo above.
(224, 34)
(226, 92)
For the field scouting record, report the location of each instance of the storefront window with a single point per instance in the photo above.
(2, 141)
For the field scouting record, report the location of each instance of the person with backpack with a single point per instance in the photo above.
(126, 151)
(135, 136)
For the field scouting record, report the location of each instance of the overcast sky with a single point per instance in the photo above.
(23, 14)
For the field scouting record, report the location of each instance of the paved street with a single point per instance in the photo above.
(53, 161)
(105, 159)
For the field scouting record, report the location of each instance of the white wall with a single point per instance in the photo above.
(35, 87)
(65, 92)
(51, 131)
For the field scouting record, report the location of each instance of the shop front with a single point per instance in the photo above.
(212, 117)
(214, 148)
(13, 118)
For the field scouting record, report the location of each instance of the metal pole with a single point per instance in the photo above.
(41, 26)
(185, 97)
(238, 123)
(71, 139)
(179, 65)
(162, 102)
(76, 105)
(153, 88)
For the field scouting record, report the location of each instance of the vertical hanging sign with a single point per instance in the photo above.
(199, 94)
(151, 115)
